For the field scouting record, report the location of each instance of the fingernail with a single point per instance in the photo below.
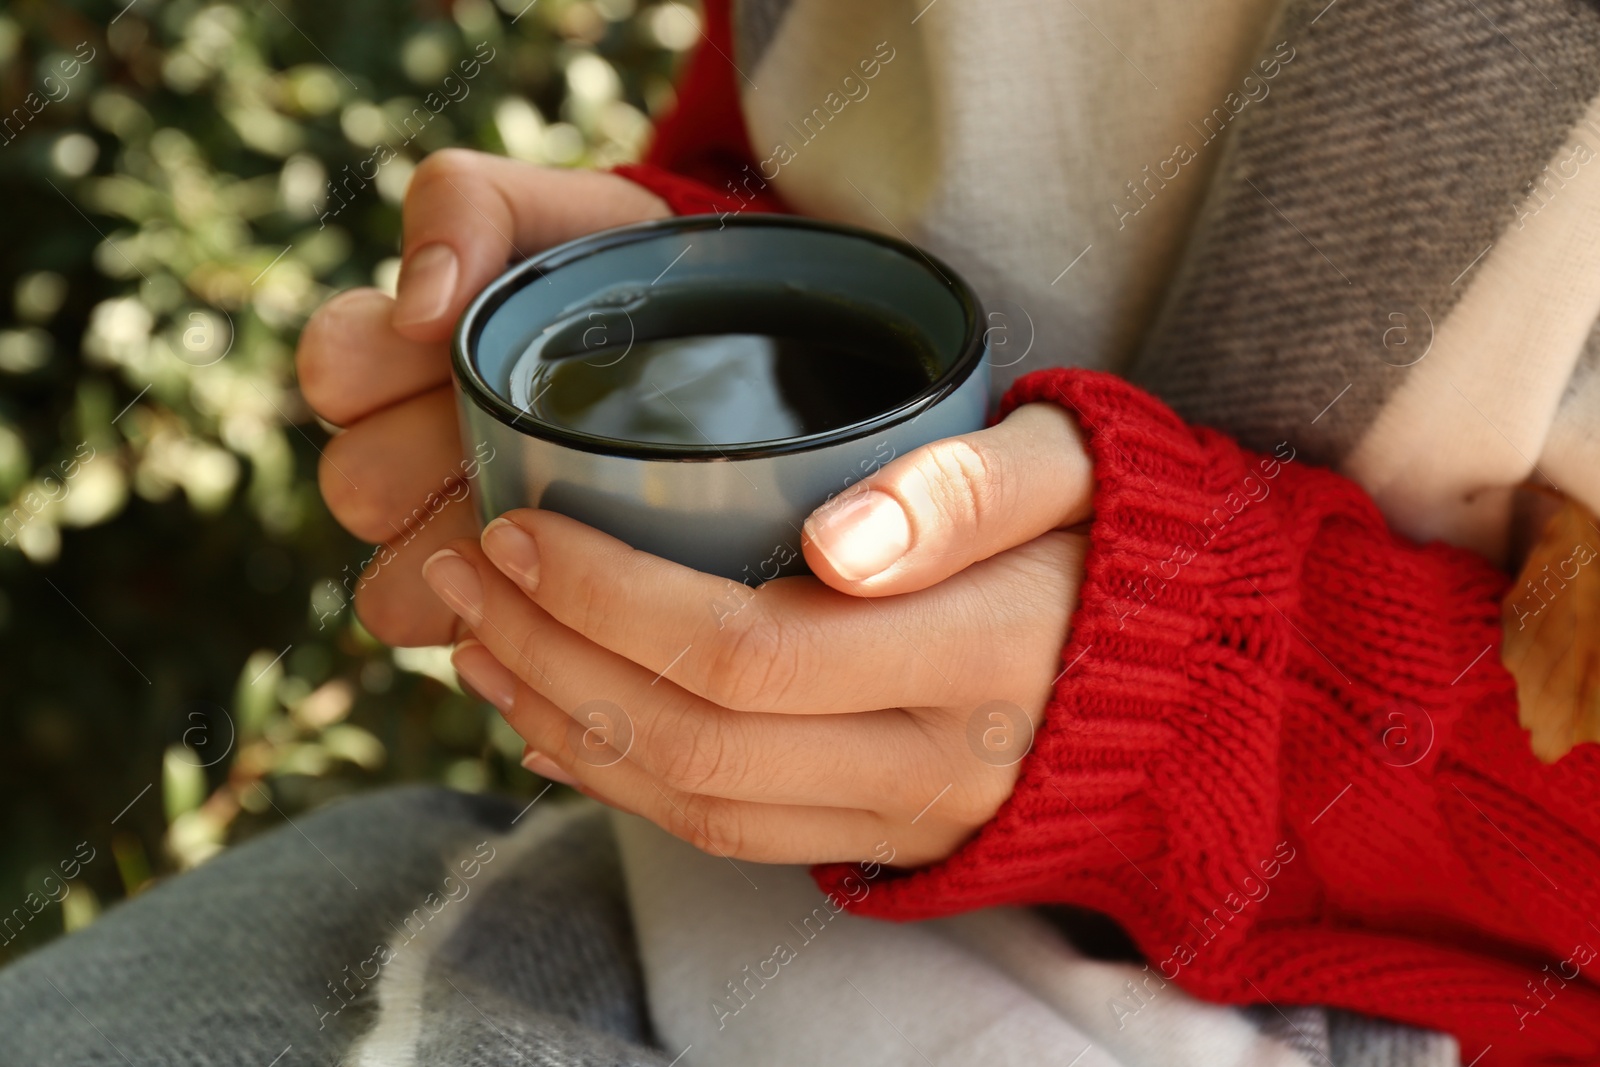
(514, 551)
(480, 672)
(427, 282)
(457, 584)
(863, 535)
(545, 767)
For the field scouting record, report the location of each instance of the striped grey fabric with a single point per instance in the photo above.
(1350, 1040)
(268, 954)
(1390, 155)
(524, 958)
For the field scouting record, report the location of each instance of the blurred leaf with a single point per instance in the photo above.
(79, 908)
(183, 783)
(176, 632)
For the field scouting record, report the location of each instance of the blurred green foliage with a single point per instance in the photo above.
(181, 184)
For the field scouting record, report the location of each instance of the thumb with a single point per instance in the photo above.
(467, 214)
(936, 511)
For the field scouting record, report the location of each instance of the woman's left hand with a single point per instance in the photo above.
(889, 698)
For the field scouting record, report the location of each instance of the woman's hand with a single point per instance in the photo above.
(888, 699)
(380, 368)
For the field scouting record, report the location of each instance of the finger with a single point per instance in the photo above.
(794, 646)
(730, 829)
(351, 362)
(592, 755)
(395, 468)
(467, 214)
(939, 509)
(391, 598)
(484, 677)
(397, 479)
(545, 767)
(683, 741)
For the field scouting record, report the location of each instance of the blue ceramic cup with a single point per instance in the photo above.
(732, 509)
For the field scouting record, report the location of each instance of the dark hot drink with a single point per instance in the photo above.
(759, 363)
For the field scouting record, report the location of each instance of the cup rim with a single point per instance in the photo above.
(470, 382)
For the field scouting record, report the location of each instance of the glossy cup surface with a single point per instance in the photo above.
(733, 510)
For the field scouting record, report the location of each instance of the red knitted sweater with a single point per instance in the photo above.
(1283, 754)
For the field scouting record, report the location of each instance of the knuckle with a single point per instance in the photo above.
(342, 498)
(525, 647)
(359, 511)
(973, 806)
(594, 603)
(317, 354)
(440, 168)
(695, 760)
(544, 726)
(405, 521)
(713, 826)
(965, 479)
(397, 619)
(753, 663)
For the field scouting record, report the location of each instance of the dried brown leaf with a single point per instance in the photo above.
(1551, 620)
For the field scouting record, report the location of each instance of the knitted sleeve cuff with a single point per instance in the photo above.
(689, 196)
(1152, 781)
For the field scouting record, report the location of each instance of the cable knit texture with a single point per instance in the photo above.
(1283, 754)
(1285, 757)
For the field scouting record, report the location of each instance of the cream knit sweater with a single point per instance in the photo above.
(1237, 203)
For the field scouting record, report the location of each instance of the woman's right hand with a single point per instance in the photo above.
(380, 367)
